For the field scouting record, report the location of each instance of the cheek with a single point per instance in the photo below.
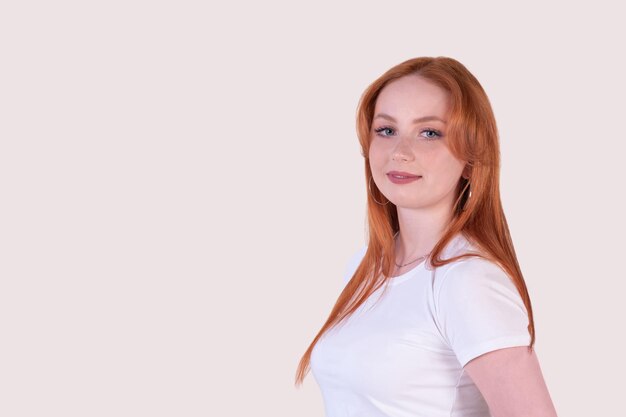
(376, 153)
(445, 165)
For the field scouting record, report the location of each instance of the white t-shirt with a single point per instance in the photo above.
(404, 355)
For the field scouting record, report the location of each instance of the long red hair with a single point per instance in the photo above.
(473, 137)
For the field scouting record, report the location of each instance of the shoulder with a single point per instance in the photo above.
(472, 268)
(466, 270)
(469, 273)
(476, 283)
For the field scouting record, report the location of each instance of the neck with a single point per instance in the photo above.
(420, 230)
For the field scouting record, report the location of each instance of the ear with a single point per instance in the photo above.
(467, 172)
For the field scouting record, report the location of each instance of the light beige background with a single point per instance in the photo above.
(181, 188)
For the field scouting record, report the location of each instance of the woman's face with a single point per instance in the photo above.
(409, 135)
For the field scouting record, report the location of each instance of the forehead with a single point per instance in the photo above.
(412, 96)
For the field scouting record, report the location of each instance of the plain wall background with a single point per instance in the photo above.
(181, 188)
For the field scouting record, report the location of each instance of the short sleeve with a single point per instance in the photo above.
(353, 264)
(480, 310)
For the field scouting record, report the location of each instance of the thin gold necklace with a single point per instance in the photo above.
(409, 263)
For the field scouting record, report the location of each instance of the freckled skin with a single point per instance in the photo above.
(414, 148)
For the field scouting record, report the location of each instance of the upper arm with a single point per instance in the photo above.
(479, 309)
(484, 320)
(511, 382)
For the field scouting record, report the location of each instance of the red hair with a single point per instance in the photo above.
(473, 137)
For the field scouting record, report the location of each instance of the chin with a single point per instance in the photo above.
(409, 205)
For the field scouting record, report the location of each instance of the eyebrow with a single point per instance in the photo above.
(418, 120)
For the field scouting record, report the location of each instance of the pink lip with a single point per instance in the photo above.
(402, 173)
(396, 180)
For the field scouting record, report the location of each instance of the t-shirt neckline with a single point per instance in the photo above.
(410, 273)
(457, 241)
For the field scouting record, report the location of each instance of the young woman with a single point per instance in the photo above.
(435, 318)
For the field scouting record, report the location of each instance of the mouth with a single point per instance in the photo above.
(401, 175)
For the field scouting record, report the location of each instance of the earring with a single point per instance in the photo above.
(372, 194)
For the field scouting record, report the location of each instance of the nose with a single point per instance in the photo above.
(403, 151)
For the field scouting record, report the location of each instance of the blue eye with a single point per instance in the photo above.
(431, 134)
(435, 134)
(382, 129)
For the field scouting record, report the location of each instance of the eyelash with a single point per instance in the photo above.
(438, 133)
